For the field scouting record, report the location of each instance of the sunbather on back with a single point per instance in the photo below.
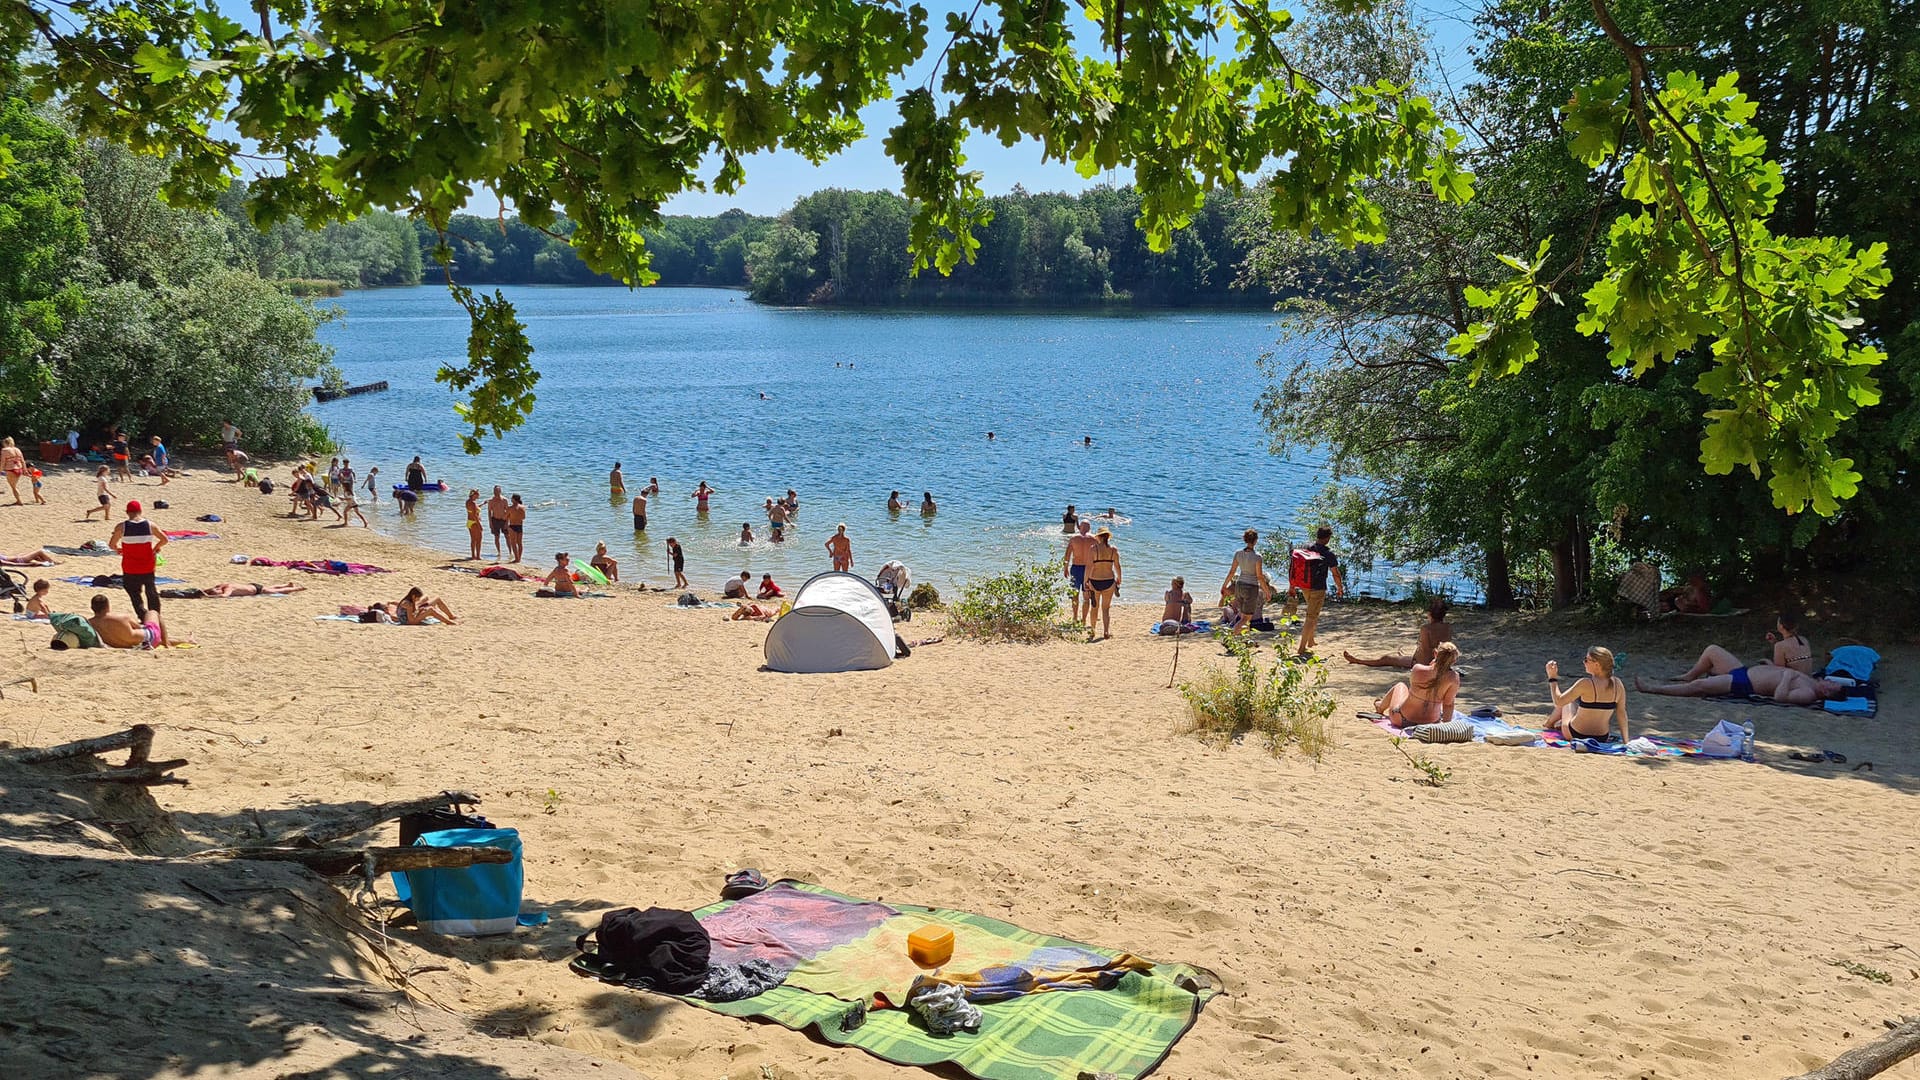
(1718, 673)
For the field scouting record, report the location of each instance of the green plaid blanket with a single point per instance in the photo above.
(1126, 1031)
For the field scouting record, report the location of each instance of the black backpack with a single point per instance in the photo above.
(658, 949)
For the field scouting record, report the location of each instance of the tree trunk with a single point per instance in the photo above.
(1499, 576)
(1564, 585)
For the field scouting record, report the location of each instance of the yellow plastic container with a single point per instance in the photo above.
(930, 946)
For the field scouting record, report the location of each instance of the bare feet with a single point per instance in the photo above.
(1640, 684)
(1349, 657)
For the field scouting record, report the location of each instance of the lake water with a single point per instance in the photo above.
(669, 382)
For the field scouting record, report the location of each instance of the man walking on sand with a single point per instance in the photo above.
(1321, 562)
(1074, 568)
(840, 549)
(139, 544)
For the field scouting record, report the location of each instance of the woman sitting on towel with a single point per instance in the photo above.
(1432, 632)
(1587, 709)
(416, 607)
(1426, 697)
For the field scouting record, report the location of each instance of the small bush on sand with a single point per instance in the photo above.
(1287, 703)
(924, 597)
(1022, 604)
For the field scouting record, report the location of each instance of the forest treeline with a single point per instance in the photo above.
(830, 247)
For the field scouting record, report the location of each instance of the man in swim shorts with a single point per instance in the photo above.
(639, 511)
(777, 517)
(1725, 676)
(124, 631)
(1074, 567)
(497, 519)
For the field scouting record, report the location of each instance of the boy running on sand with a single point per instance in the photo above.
(104, 494)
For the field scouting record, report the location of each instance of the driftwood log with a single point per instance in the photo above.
(139, 769)
(1874, 1058)
(321, 833)
(138, 738)
(372, 861)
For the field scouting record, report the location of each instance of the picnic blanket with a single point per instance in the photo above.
(1051, 1007)
(108, 581)
(321, 566)
(1641, 746)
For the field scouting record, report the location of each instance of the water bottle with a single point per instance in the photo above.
(1746, 741)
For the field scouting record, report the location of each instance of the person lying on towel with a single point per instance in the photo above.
(1718, 673)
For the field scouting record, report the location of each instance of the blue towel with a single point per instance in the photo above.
(1853, 706)
(1198, 626)
(88, 580)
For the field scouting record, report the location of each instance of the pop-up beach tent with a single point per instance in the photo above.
(838, 623)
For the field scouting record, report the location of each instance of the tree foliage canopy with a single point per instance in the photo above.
(597, 111)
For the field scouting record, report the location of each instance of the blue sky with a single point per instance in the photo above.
(775, 180)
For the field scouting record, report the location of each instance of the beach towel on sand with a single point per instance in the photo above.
(321, 566)
(1484, 726)
(1058, 1009)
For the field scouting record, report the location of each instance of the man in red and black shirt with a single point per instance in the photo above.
(139, 544)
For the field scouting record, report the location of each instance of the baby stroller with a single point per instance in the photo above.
(895, 583)
(13, 586)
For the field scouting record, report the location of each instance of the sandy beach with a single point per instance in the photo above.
(1541, 914)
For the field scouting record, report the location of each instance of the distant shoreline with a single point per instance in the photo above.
(946, 307)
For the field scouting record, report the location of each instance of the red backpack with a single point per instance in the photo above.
(1297, 575)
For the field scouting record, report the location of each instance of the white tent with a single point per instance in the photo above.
(838, 623)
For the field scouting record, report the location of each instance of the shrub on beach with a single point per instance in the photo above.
(1287, 704)
(924, 597)
(1022, 604)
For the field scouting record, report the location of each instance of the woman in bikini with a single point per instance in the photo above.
(1790, 648)
(604, 562)
(1426, 697)
(1103, 583)
(1434, 631)
(473, 524)
(14, 463)
(1587, 709)
(417, 606)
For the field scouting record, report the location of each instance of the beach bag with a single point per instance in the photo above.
(659, 948)
(470, 901)
(1723, 741)
(72, 632)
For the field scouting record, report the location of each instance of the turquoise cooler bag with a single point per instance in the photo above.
(471, 901)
